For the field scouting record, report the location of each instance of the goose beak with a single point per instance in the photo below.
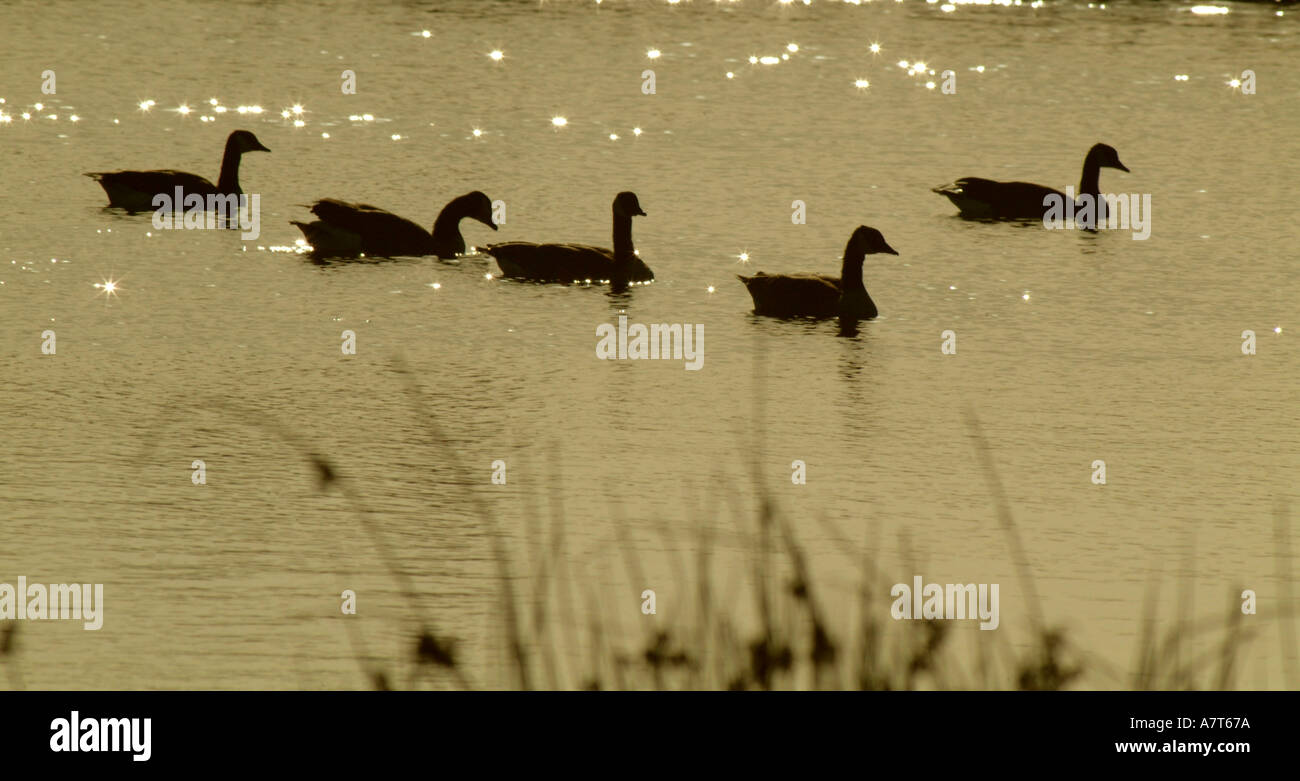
(259, 148)
(491, 225)
(885, 248)
(639, 212)
(1121, 166)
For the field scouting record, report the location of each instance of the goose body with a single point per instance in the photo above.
(989, 199)
(135, 190)
(347, 230)
(569, 263)
(821, 295)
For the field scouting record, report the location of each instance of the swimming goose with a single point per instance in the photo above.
(821, 295)
(579, 262)
(135, 190)
(1020, 200)
(346, 230)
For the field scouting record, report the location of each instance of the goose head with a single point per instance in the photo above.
(244, 141)
(1105, 156)
(867, 241)
(626, 205)
(477, 206)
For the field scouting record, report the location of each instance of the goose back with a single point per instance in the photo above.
(565, 263)
(793, 295)
(367, 229)
(986, 198)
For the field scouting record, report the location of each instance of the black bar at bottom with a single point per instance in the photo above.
(386, 731)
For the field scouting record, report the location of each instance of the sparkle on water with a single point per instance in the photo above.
(109, 287)
(559, 121)
(497, 55)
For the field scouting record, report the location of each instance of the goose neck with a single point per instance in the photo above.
(228, 183)
(623, 249)
(446, 229)
(851, 273)
(1089, 182)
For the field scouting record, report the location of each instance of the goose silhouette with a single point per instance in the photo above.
(135, 190)
(570, 263)
(821, 295)
(987, 199)
(347, 230)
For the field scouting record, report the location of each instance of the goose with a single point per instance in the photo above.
(1021, 200)
(135, 190)
(579, 262)
(821, 295)
(346, 230)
